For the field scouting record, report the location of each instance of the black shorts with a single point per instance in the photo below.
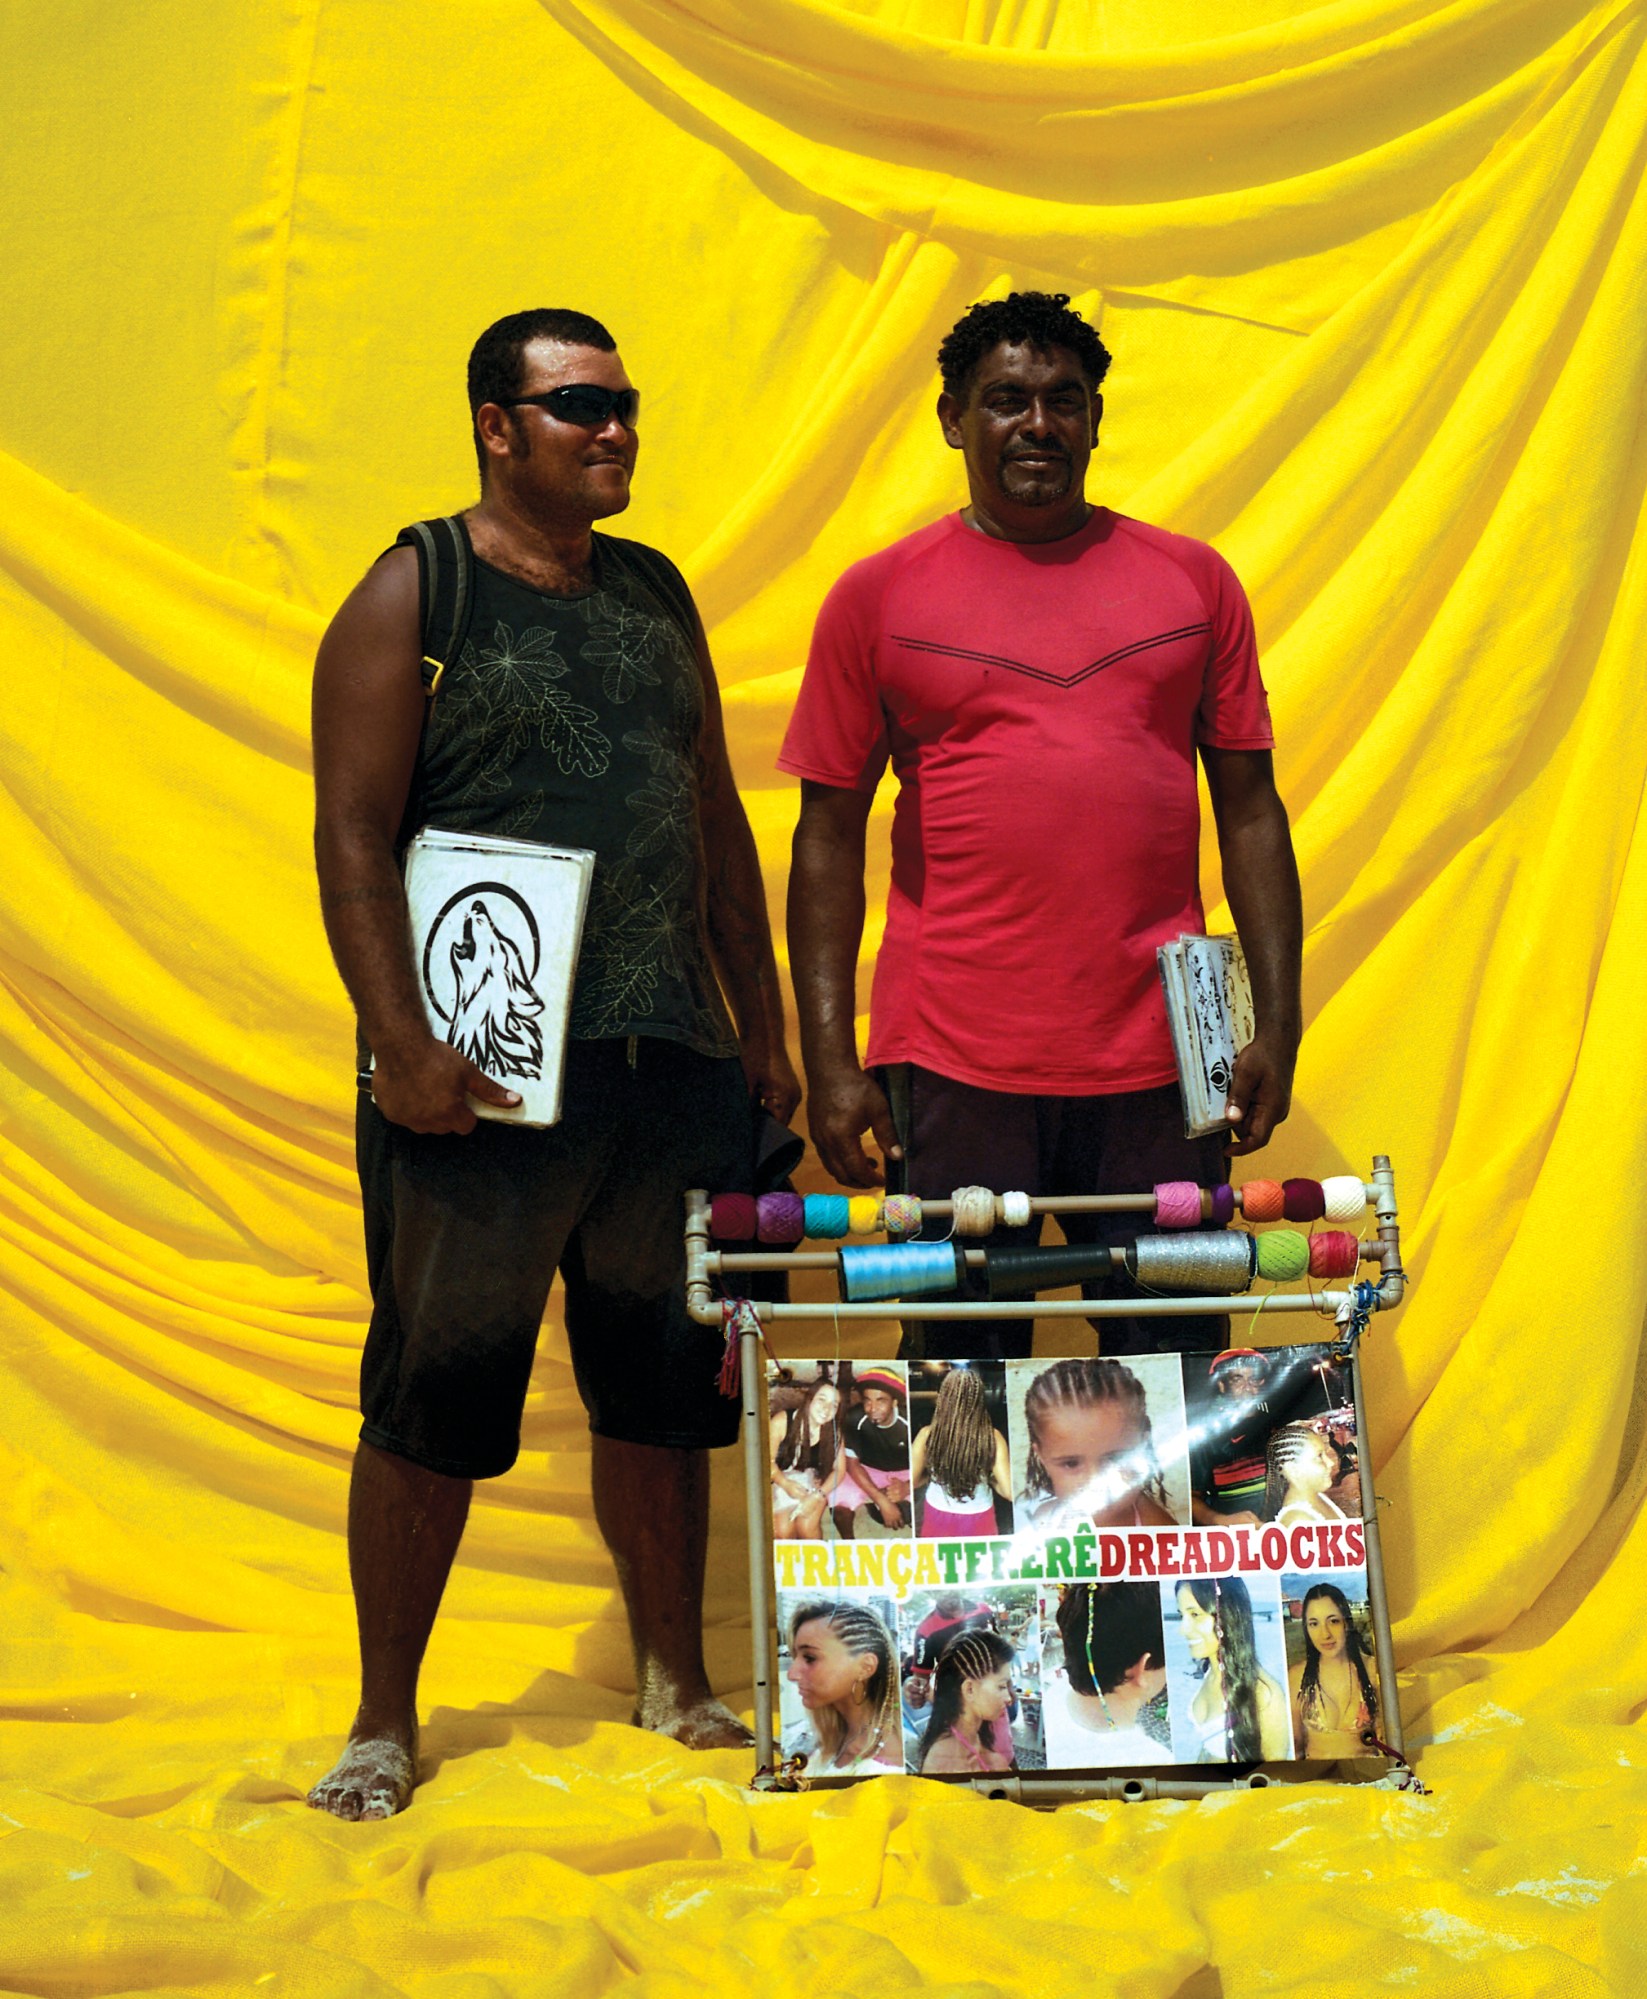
(958, 1135)
(465, 1233)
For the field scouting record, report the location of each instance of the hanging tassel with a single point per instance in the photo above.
(738, 1316)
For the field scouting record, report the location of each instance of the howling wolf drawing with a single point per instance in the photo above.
(494, 1016)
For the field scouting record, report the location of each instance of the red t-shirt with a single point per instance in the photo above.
(1041, 705)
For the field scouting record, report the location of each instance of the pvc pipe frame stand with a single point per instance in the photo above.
(1122, 1786)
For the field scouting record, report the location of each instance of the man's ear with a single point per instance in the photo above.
(950, 412)
(1097, 416)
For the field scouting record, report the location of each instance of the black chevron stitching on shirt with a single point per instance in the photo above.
(1040, 673)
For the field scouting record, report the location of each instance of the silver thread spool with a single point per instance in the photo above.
(1218, 1263)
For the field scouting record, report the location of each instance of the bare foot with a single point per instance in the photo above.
(372, 1779)
(701, 1724)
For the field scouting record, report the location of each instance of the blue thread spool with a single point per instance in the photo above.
(900, 1270)
(826, 1216)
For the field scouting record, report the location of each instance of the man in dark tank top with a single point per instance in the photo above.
(579, 709)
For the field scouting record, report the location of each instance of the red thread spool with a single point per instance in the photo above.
(1334, 1253)
(732, 1218)
(1263, 1201)
(1303, 1200)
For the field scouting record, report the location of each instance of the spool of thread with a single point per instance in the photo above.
(1011, 1273)
(1302, 1200)
(1014, 1210)
(1334, 1253)
(1344, 1198)
(1223, 1207)
(1283, 1255)
(974, 1210)
(827, 1216)
(1177, 1204)
(863, 1214)
(1263, 1201)
(901, 1216)
(899, 1270)
(732, 1218)
(780, 1218)
(1215, 1264)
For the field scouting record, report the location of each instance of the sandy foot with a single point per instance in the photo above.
(705, 1724)
(372, 1779)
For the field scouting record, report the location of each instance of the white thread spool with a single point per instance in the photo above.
(1014, 1210)
(1345, 1197)
(973, 1209)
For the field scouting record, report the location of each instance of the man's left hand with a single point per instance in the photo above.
(1260, 1093)
(772, 1079)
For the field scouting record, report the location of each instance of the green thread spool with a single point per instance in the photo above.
(1283, 1255)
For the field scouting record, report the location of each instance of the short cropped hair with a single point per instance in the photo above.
(1021, 319)
(495, 361)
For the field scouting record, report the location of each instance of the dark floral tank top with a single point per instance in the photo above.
(576, 721)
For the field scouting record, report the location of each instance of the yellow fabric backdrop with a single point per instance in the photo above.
(1371, 273)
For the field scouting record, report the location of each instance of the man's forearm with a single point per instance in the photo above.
(363, 904)
(826, 926)
(740, 935)
(1261, 882)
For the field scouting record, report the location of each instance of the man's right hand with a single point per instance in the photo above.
(425, 1088)
(841, 1106)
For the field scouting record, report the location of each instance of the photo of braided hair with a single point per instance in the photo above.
(1077, 1384)
(859, 1630)
(960, 1446)
(973, 1655)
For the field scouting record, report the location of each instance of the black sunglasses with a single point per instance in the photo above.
(586, 403)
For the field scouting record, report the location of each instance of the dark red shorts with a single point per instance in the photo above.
(957, 1135)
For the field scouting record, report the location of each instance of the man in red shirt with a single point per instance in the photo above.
(1041, 673)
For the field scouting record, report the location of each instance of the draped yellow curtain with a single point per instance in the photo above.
(1371, 273)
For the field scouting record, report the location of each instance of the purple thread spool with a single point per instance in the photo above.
(780, 1218)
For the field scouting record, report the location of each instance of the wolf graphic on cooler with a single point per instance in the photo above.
(494, 1013)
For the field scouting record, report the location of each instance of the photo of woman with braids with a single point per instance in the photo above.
(967, 1733)
(1228, 1704)
(839, 1685)
(1101, 1440)
(1106, 1703)
(1300, 1464)
(960, 1457)
(1334, 1693)
(808, 1449)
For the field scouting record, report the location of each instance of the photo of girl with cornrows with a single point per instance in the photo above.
(1089, 1447)
(1238, 1711)
(1300, 1465)
(808, 1449)
(1334, 1698)
(968, 1732)
(842, 1672)
(960, 1459)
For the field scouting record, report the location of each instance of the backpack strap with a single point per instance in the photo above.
(446, 590)
(662, 577)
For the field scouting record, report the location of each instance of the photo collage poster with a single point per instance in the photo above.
(1069, 1565)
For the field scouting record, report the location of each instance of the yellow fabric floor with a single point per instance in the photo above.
(1372, 275)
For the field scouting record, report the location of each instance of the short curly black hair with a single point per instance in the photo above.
(1032, 319)
(497, 359)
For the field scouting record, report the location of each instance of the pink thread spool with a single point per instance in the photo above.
(1334, 1253)
(732, 1218)
(1177, 1204)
